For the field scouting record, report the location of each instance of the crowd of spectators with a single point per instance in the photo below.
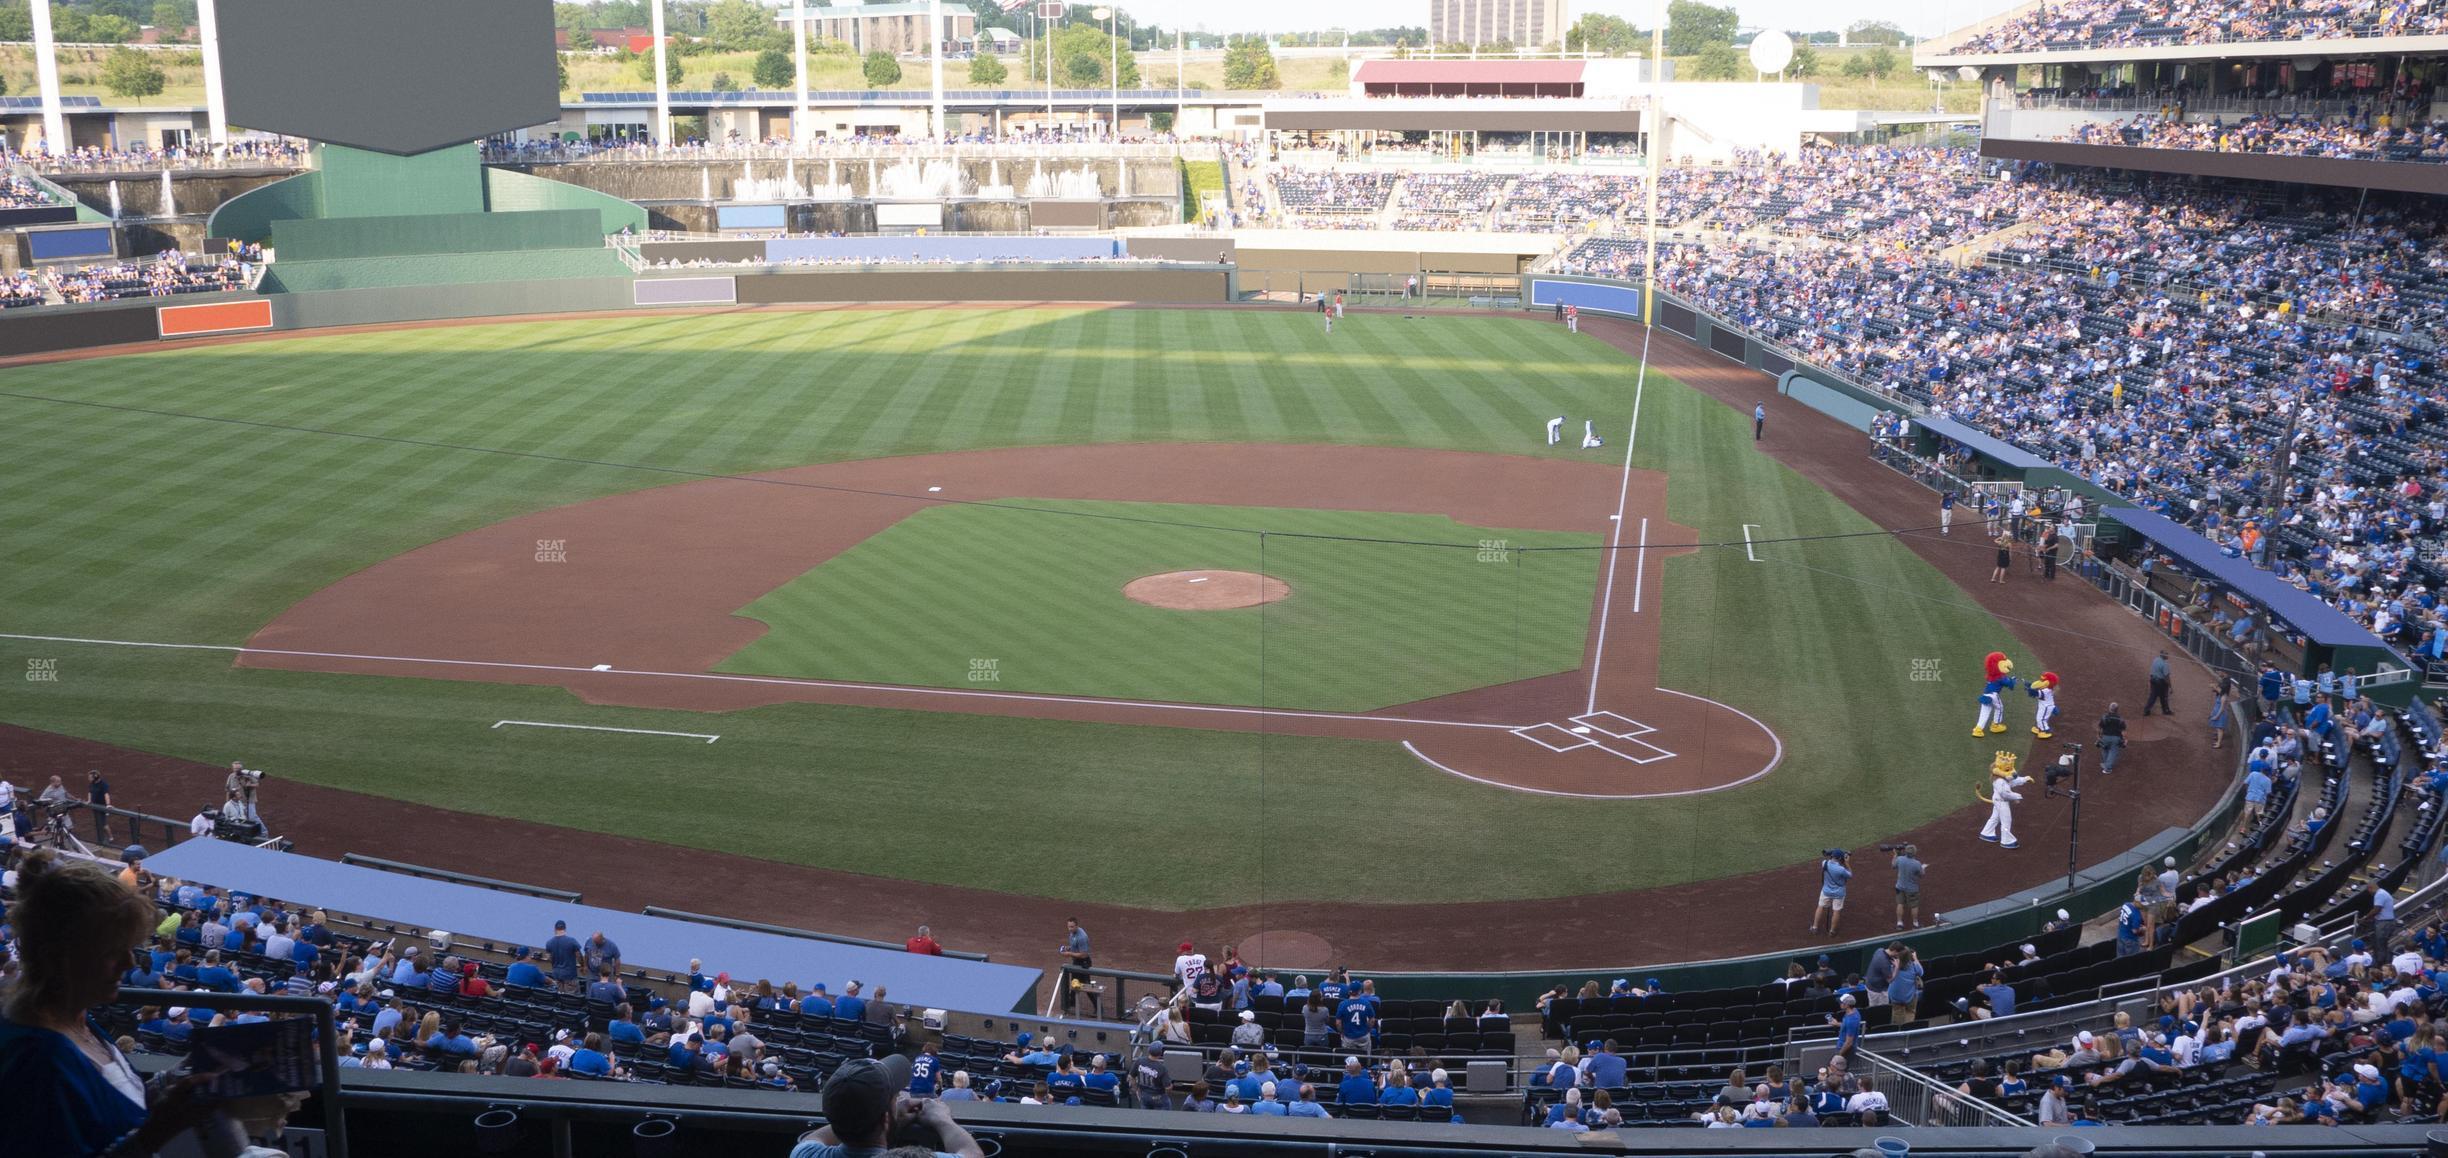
(1554, 200)
(1448, 199)
(245, 153)
(2167, 341)
(168, 274)
(2381, 137)
(735, 147)
(1316, 196)
(2079, 24)
(2319, 1039)
(19, 193)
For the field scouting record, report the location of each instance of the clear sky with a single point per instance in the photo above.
(1919, 17)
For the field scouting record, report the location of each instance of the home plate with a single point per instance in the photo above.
(933, 490)
(603, 667)
(1583, 730)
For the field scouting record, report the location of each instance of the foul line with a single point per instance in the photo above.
(778, 681)
(1640, 570)
(708, 738)
(1623, 500)
(1747, 542)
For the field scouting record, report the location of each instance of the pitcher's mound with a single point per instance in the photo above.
(1206, 590)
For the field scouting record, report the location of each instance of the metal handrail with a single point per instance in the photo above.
(327, 1038)
(1934, 1104)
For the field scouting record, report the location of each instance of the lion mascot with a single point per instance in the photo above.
(2001, 799)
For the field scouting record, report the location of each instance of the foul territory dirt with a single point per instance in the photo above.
(2169, 777)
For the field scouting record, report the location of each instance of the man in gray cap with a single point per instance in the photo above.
(867, 1102)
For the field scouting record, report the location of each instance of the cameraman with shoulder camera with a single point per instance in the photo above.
(1834, 876)
(243, 781)
(1908, 870)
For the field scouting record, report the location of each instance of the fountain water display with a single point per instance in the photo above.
(114, 197)
(1079, 184)
(934, 180)
(767, 189)
(994, 189)
(169, 205)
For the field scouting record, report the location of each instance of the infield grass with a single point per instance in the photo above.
(190, 496)
(1029, 600)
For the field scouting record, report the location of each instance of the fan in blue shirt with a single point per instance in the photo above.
(1356, 1088)
(524, 971)
(1352, 1018)
(816, 1004)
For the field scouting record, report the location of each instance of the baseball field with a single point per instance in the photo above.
(911, 593)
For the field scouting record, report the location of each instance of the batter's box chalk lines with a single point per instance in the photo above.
(1622, 737)
(498, 724)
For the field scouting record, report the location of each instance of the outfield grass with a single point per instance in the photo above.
(1039, 595)
(191, 496)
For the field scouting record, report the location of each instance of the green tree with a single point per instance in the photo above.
(881, 70)
(582, 41)
(672, 70)
(722, 82)
(1498, 48)
(1805, 60)
(129, 73)
(1719, 62)
(573, 18)
(1692, 26)
(738, 25)
(1873, 32)
(16, 23)
(173, 16)
(1161, 120)
(561, 68)
(775, 69)
(108, 28)
(1082, 53)
(1882, 61)
(986, 69)
(1604, 34)
(1250, 64)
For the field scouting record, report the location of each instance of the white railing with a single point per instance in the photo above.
(824, 149)
(1914, 1100)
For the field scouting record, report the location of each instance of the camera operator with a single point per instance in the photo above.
(1908, 870)
(1834, 876)
(242, 783)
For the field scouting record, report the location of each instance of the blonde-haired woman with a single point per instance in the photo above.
(70, 1091)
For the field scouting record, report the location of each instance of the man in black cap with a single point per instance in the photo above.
(1150, 1079)
(866, 1102)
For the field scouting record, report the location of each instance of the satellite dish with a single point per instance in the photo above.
(1967, 72)
(1771, 51)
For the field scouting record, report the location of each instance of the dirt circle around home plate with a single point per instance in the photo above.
(1206, 590)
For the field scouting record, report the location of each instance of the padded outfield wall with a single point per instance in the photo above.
(53, 329)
